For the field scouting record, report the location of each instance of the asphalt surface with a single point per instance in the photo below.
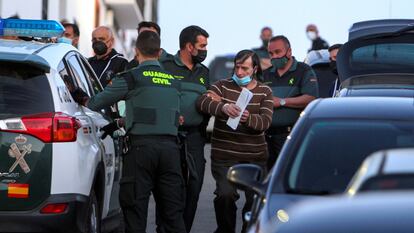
(205, 220)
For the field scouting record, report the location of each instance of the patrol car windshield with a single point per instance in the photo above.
(23, 90)
(330, 152)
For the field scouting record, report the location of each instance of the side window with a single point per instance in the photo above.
(78, 73)
(67, 77)
(90, 75)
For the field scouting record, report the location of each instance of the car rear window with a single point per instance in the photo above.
(23, 90)
(389, 182)
(386, 56)
(332, 151)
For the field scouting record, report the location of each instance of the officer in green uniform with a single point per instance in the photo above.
(194, 77)
(294, 86)
(152, 117)
(147, 26)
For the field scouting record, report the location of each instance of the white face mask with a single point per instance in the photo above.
(311, 35)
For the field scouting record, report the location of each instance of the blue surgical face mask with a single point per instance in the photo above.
(64, 40)
(241, 81)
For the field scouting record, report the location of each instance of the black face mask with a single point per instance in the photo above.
(332, 65)
(99, 47)
(200, 57)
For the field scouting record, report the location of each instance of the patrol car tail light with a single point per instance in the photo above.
(54, 208)
(48, 127)
(65, 128)
(31, 28)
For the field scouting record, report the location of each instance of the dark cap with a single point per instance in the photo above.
(335, 46)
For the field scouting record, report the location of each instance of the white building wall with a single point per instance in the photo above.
(83, 11)
(28, 9)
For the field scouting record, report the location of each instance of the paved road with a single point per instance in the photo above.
(205, 221)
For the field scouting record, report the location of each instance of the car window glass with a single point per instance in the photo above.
(221, 68)
(389, 182)
(95, 84)
(78, 73)
(23, 90)
(326, 160)
(392, 56)
(67, 78)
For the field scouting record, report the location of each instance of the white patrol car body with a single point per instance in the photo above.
(79, 169)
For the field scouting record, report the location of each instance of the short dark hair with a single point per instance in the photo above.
(335, 46)
(149, 24)
(74, 26)
(243, 55)
(190, 34)
(148, 43)
(281, 37)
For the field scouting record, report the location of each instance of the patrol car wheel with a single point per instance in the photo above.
(93, 220)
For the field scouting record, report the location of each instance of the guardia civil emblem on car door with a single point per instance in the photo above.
(19, 151)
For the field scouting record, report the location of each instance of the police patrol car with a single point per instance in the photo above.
(56, 173)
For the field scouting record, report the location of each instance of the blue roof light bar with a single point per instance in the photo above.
(31, 28)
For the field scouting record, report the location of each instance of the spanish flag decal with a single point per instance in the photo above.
(18, 190)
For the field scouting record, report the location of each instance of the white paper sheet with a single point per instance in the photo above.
(242, 102)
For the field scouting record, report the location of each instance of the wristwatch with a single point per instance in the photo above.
(282, 102)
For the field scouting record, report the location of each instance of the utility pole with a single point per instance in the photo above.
(44, 8)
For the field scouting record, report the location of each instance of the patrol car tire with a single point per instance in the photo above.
(93, 223)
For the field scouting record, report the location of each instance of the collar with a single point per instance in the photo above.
(149, 63)
(179, 62)
(109, 56)
(177, 59)
(293, 67)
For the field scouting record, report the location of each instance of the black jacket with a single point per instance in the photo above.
(319, 44)
(107, 67)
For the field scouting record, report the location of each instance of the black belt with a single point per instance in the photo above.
(189, 129)
(279, 130)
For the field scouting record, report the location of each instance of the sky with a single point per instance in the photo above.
(234, 25)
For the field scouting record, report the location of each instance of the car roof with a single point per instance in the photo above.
(42, 55)
(370, 108)
(378, 27)
(363, 213)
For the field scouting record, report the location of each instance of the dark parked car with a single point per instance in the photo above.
(367, 213)
(378, 59)
(326, 147)
(221, 67)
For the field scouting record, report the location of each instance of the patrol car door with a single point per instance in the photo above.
(108, 146)
(89, 150)
(114, 206)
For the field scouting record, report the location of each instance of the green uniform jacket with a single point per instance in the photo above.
(152, 99)
(299, 80)
(193, 84)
